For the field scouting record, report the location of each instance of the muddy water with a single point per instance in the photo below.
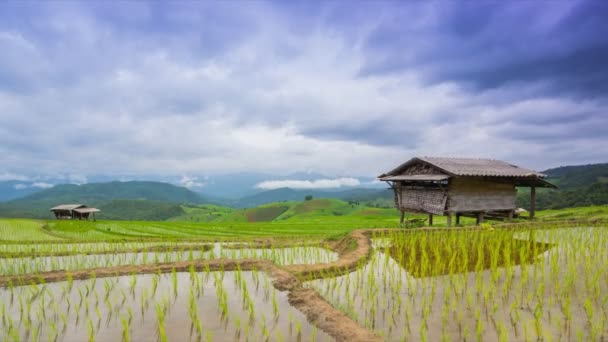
(195, 306)
(563, 296)
(281, 256)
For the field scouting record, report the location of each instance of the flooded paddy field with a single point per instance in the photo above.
(99, 257)
(480, 285)
(507, 284)
(178, 306)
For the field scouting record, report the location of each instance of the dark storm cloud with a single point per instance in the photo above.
(182, 88)
(384, 132)
(563, 45)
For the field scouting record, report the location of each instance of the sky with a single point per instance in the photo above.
(338, 88)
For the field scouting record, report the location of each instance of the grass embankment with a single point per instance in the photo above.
(23, 229)
(312, 219)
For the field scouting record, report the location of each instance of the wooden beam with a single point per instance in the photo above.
(532, 202)
(457, 218)
(430, 219)
(449, 219)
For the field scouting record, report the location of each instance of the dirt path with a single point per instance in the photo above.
(317, 310)
(354, 250)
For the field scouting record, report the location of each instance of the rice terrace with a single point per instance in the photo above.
(132, 281)
(303, 171)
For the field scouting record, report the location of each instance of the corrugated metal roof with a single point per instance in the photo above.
(86, 210)
(470, 167)
(480, 167)
(68, 207)
(476, 168)
(415, 178)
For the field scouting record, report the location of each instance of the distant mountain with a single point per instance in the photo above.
(13, 189)
(570, 177)
(315, 209)
(288, 194)
(101, 195)
(137, 190)
(231, 187)
(580, 185)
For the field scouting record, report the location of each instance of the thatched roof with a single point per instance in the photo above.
(473, 168)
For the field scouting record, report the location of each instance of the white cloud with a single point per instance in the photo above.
(278, 98)
(6, 176)
(77, 179)
(190, 182)
(308, 184)
(20, 186)
(42, 185)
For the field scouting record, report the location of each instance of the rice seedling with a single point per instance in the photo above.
(488, 285)
(105, 300)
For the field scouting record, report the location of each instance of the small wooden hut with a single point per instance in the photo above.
(458, 187)
(74, 211)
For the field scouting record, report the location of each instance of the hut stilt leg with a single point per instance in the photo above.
(480, 218)
(402, 216)
(532, 202)
(430, 219)
(449, 221)
(457, 219)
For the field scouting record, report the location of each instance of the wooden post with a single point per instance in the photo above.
(532, 202)
(510, 218)
(479, 218)
(402, 216)
(449, 219)
(457, 218)
(430, 219)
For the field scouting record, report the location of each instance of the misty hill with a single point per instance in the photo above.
(136, 190)
(315, 209)
(15, 189)
(570, 177)
(581, 185)
(288, 194)
(137, 200)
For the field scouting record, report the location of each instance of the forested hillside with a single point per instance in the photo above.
(117, 200)
(581, 185)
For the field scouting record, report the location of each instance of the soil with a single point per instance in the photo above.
(353, 250)
(317, 310)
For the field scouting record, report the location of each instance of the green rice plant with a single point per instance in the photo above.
(125, 329)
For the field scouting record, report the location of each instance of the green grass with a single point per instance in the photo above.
(317, 223)
(203, 213)
(22, 229)
(590, 213)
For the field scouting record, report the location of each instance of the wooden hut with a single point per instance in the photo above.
(461, 187)
(74, 211)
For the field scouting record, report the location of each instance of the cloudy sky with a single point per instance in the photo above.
(338, 88)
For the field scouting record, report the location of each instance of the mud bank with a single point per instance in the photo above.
(318, 311)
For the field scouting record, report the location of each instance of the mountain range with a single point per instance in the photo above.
(155, 200)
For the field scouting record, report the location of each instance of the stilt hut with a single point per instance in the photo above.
(74, 211)
(455, 187)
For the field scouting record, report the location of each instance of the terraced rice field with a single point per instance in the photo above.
(512, 283)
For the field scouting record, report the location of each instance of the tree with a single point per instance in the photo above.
(308, 197)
